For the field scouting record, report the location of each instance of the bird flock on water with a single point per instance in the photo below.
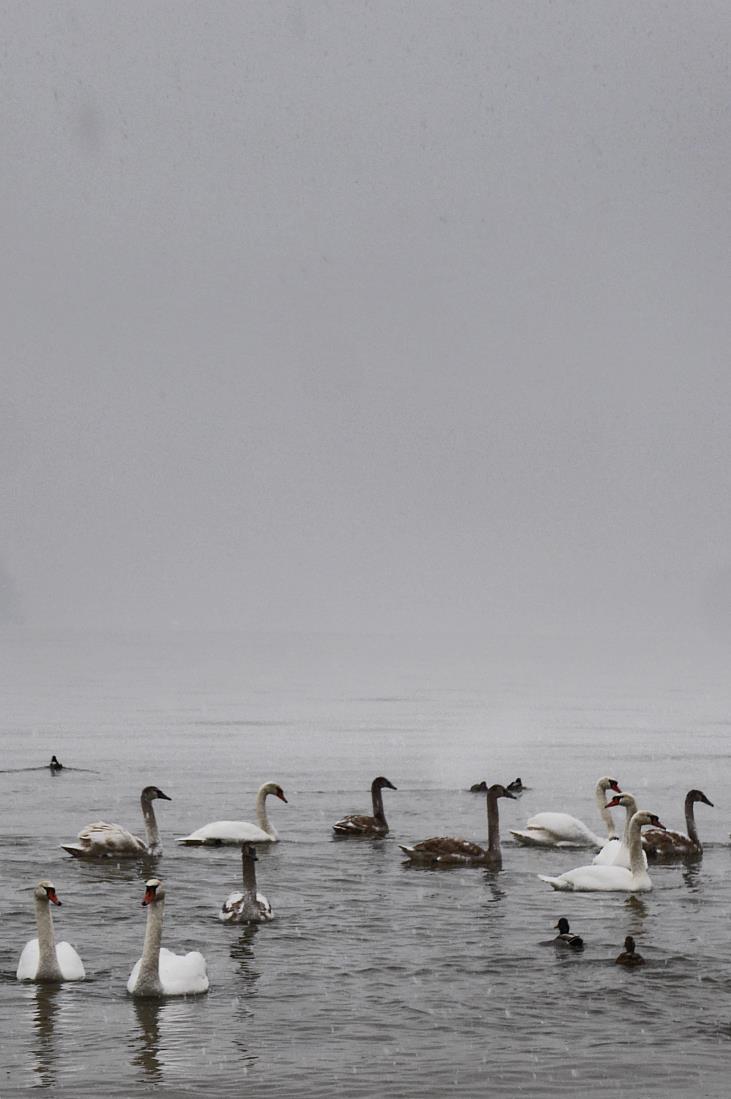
(621, 865)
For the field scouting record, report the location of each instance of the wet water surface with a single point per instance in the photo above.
(374, 977)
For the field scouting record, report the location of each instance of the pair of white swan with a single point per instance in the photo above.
(610, 878)
(159, 972)
(101, 840)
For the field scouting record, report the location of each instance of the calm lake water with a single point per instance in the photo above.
(373, 978)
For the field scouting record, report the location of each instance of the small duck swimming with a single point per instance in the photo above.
(54, 765)
(515, 787)
(629, 956)
(565, 938)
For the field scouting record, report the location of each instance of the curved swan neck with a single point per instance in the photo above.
(690, 820)
(493, 827)
(604, 813)
(261, 812)
(631, 808)
(151, 830)
(48, 968)
(377, 799)
(148, 980)
(636, 861)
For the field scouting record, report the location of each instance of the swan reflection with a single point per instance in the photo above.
(46, 1006)
(242, 951)
(147, 1041)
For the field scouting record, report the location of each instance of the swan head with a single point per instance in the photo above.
(382, 783)
(626, 800)
(607, 783)
(562, 926)
(46, 891)
(154, 892)
(275, 789)
(643, 817)
(151, 792)
(498, 791)
(698, 795)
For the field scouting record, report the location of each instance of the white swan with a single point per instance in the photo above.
(611, 879)
(43, 959)
(249, 906)
(563, 830)
(105, 841)
(615, 851)
(159, 972)
(240, 831)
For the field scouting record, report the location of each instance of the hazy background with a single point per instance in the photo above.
(369, 316)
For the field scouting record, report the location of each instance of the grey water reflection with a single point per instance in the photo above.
(692, 878)
(46, 1007)
(146, 1042)
(242, 951)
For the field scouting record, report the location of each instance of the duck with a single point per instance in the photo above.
(240, 831)
(515, 787)
(606, 879)
(54, 765)
(110, 841)
(565, 938)
(376, 825)
(670, 845)
(629, 956)
(159, 972)
(563, 830)
(615, 851)
(249, 906)
(449, 851)
(43, 959)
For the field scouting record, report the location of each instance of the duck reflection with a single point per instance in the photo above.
(45, 1010)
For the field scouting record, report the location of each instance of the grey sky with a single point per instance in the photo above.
(367, 315)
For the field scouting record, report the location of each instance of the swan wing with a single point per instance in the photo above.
(565, 829)
(609, 852)
(227, 831)
(355, 825)
(101, 839)
(599, 879)
(132, 982)
(234, 909)
(667, 844)
(443, 849)
(69, 962)
(28, 961)
(182, 974)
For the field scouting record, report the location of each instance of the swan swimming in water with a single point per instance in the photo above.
(105, 841)
(591, 879)
(43, 959)
(674, 845)
(240, 831)
(159, 972)
(450, 851)
(249, 906)
(355, 825)
(563, 830)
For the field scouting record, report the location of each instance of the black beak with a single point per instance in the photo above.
(163, 796)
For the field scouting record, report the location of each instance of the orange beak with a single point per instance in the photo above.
(53, 898)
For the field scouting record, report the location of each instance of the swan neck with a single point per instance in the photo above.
(636, 861)
(627, 835)
(377, 799)
(604, 813)
(48, 968)
(261, 813)
(148, 980)
(493, 827)
(690, 821)
(151, 829)
(249, 869)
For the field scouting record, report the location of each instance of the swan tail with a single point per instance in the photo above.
(75, 850)
(557, 883)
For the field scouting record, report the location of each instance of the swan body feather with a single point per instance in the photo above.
(236, 910)
(180, 974)
(69, 962)
(239, 831)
